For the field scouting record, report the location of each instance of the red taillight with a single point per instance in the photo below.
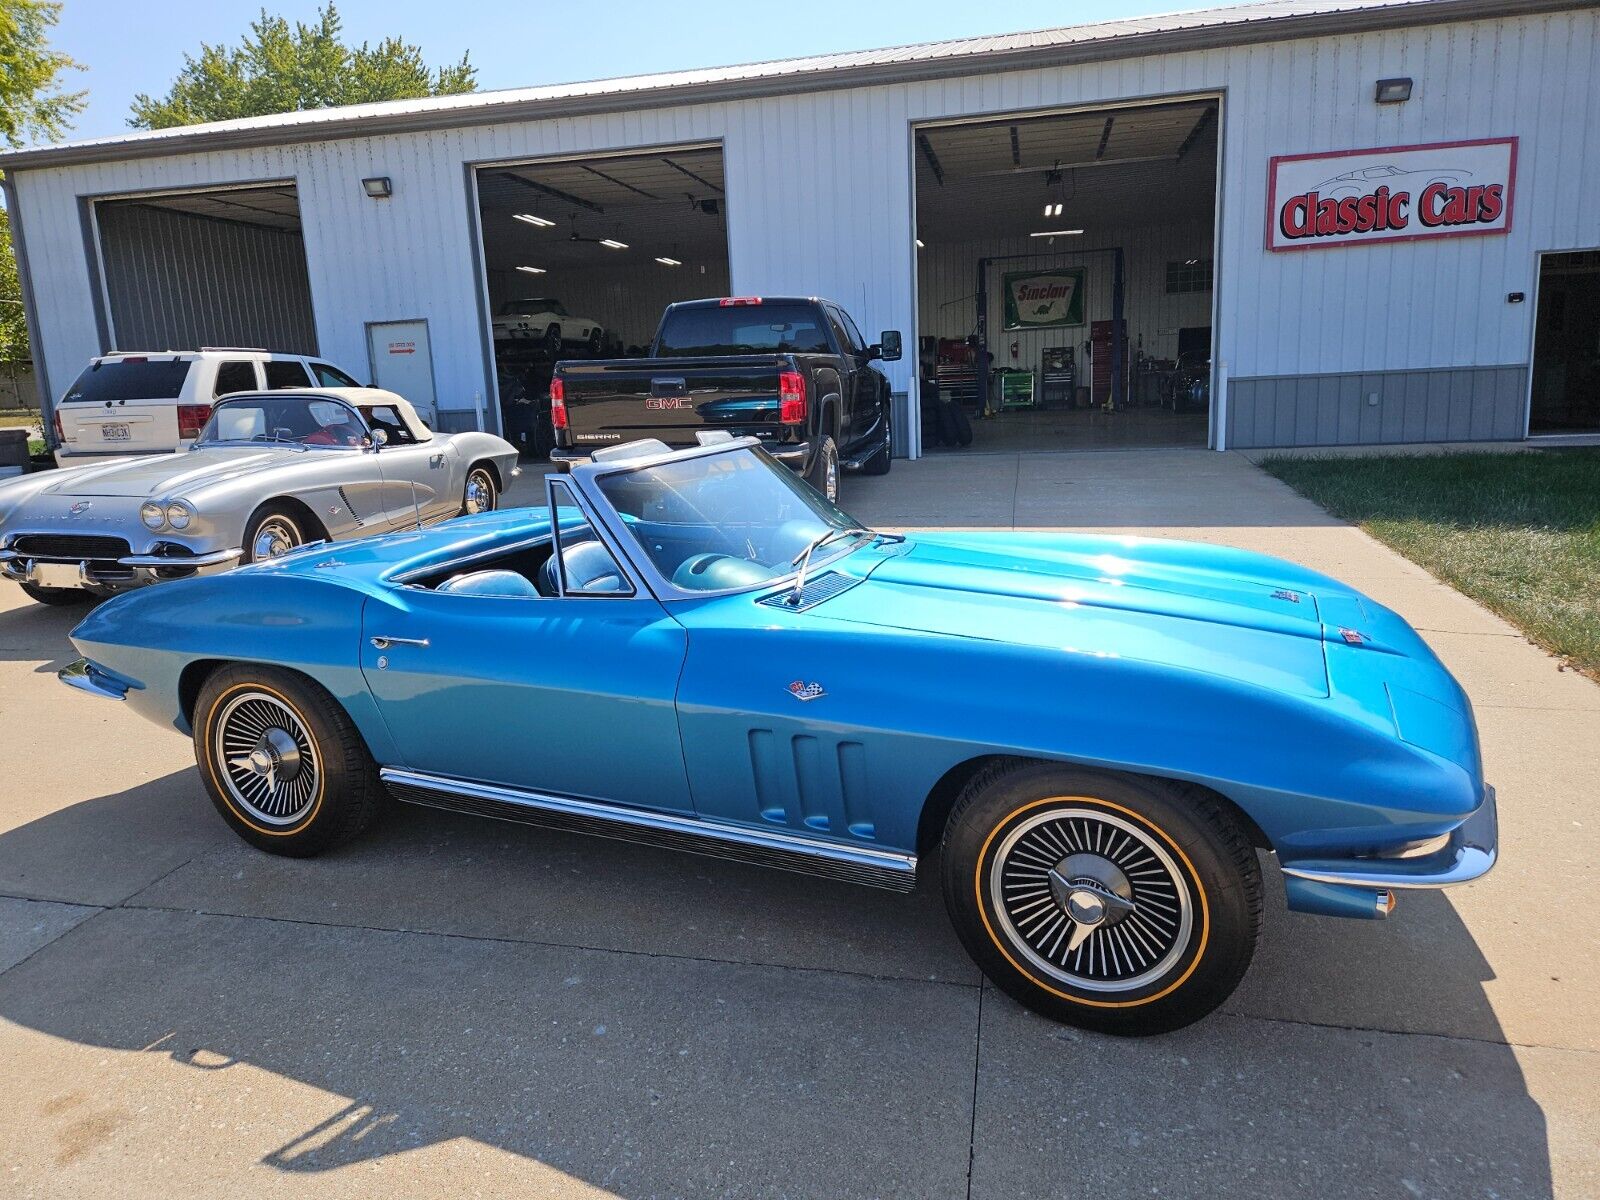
(735, 301)
(192, 419)
(791, 398)
(558, 404)
(55, 420)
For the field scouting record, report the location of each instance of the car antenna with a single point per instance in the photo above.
(415, 509)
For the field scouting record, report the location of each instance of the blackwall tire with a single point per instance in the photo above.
(823, 474)
(282, 762)
(880, 462)
(552, 340)
(1118, 903)
(58, 597)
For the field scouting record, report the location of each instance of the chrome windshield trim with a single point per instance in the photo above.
(1470, 854)
(697, 835)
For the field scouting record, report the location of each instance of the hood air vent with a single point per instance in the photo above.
(823, 587)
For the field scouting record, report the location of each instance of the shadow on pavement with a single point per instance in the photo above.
(738, 1031)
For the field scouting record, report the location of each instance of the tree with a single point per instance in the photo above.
(277, 68)
(32, 105)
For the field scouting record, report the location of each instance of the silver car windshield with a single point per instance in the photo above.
(312, 421)
(726, 521)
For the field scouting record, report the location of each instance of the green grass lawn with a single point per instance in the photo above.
(1519, 533)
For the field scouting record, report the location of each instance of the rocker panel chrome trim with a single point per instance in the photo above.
(785, 851)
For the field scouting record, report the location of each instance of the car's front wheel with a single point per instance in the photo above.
(274, 530)
(1119, 903)
(282, 761)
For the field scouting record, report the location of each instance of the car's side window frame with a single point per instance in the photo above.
(555, 489)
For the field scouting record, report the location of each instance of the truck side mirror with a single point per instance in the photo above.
(888, 346)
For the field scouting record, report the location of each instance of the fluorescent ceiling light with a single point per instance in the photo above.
(919, 243)
(532, 219)
(668, 262)
(1052, 210)
(1057, 233)
(532, 270)
(613, 243)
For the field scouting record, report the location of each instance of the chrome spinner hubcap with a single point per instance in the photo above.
(1091, 899)
(274, 537)
(269, 762)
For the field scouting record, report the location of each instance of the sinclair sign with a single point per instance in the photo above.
(1394, 194)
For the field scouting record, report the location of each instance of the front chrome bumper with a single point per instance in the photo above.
(86, 677)
(1468, 854)
(130, 571)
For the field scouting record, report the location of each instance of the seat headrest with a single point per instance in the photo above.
(489, 583)
(589, 567)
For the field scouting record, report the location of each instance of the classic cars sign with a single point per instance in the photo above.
(1394, 194)
(1044, 299)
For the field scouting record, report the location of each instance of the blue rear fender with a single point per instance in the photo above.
(157, 639)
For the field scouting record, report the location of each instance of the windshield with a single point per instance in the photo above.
(742, 329)
(723, 521)
(292, 420)
(537, 304)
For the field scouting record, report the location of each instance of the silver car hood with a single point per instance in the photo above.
(166, 475)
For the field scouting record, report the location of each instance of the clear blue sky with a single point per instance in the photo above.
(130, 47)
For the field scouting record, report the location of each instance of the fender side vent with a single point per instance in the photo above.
(823, 587)
(348, 507)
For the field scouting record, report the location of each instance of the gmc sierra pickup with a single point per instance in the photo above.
(791, 371)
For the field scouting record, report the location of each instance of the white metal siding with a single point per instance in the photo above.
(820, 198)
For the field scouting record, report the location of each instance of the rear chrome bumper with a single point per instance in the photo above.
(86, 677)
(1468, 854)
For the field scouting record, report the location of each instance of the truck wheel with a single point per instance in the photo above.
(552, 339)
(823, 473)
(880, 462)
(282, 761)
(57, 596)
(1118, 903)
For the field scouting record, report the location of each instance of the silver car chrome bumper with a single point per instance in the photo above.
(87, 677)
(47, 572)
(1469, 854)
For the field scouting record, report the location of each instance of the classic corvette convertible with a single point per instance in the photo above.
(1091, 737)
(270, 471)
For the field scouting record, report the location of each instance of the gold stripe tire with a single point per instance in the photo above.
(282, 762)
(1119, 903)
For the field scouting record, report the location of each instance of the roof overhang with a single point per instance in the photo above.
(1252, 24)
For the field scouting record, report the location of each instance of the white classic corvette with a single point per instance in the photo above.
(543, 321)
(269, 472)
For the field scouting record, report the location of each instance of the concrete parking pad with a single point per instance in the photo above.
(419, 1014)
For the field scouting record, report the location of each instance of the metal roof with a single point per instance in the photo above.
(1274, 20)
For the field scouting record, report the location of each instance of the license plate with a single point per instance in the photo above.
(114, 433)
(55, 575)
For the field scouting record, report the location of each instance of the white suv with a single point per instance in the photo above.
(156, 402)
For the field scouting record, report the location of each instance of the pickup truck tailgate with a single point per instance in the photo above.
(618, 400)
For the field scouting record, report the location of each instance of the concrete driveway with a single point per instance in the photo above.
(469, 1008)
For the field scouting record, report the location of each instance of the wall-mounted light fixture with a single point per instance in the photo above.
(532, 270)
(378, 187)
(919, 243)
(1393, 91)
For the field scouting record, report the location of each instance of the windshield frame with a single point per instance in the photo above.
(286, 394)
(587, 477)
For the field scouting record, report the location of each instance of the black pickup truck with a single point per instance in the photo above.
(792, 371)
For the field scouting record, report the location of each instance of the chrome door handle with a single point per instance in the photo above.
(383, 643)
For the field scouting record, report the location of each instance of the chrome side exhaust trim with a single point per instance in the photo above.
(717, 839)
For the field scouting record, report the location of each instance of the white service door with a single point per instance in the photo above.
(403, 363)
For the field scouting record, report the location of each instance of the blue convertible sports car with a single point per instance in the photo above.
(1091, 737)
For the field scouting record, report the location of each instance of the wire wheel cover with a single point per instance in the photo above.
(267, 757)
(1091, 899)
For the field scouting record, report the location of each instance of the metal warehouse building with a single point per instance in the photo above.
(1283, 224)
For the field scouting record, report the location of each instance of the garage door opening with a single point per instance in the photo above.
(1566, 345)
(581, 255)
(1064, 271)
(219, 267)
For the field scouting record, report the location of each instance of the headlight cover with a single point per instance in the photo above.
(152, 514)
(179, 514)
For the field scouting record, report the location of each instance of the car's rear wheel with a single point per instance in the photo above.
(58, 596)
(480, 494)
(1119, 903)
(282, 761)
(823, 473)
(596, 340)
(274, 530)
(552, 339)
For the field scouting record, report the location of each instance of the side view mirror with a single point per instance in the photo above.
(380, 438)
(888, 346)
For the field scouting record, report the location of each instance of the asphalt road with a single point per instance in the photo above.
(462, 1007)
